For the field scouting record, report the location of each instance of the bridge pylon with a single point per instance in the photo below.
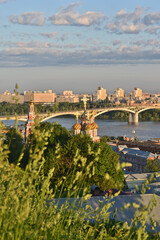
(133, 118)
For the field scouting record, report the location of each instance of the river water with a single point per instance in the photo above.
(143, 131)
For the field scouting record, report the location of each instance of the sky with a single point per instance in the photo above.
(79, 45)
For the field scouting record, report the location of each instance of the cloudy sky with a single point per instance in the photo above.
(80, 45)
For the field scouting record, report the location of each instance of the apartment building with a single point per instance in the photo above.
(11, 97)
(119, 93)
(100, 94)
(46, 97)
(67, 96)
(137, 93)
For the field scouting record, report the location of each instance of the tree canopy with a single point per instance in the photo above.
(153, 165)
(14, 140)
(62, 149)
(68, 155)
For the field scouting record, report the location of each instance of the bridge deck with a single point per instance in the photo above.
(97, 111)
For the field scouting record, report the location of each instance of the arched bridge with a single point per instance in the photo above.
(133, 113)
(96, 112)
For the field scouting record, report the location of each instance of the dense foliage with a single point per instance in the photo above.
(62, 148)
(11, 109)
(153, 165)
(149, 115)
(29, 209)
(14, 141)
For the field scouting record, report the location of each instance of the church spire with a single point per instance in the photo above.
(30, 121)
(85, 99)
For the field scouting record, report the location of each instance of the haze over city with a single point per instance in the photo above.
(78, 45)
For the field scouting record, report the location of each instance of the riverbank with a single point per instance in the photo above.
(143, 131)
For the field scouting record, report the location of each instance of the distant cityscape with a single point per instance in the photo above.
(119, 97)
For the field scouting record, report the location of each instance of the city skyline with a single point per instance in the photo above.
(80, 45)
(117, 92)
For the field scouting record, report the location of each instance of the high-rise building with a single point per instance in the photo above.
(137, 93)
(119, 93)
(100, 94)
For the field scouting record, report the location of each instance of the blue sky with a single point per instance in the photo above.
(79, 45)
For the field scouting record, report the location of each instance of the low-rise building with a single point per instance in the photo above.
(67, 96)
(70, 97)
(137, 179)
(136, 157)
(46, 97)
(11, 97)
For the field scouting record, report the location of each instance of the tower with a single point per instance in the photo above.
(30, 122)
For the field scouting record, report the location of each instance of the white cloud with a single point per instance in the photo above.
(153, 43)
(78, 35)
(28, 45)
(89, 18)
(121, 14)
(132, 28)
(128, 49)
(125, 22)
(121, 27)
(28, 18)
(64, 36)
(49, 54)
(49, 35)
(70, 7)
(132, 16)
(135, 22)
(153, 30)
(68, 16)
(152, 18)
(149, 43)
(116, 42)
(4, 1)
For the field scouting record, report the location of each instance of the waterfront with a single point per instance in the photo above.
(144, 130)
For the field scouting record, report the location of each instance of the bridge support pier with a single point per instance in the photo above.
(130, 118)
(133, 118)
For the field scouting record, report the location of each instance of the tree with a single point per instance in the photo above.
(153, 165)
(16, 98)
(14, 140)
(59, 134)
(69, 155)
(107, 174)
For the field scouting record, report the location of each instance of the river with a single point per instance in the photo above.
(143, 131)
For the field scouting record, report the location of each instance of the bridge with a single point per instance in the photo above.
(133, 113)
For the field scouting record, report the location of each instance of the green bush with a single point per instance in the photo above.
(29, 209)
